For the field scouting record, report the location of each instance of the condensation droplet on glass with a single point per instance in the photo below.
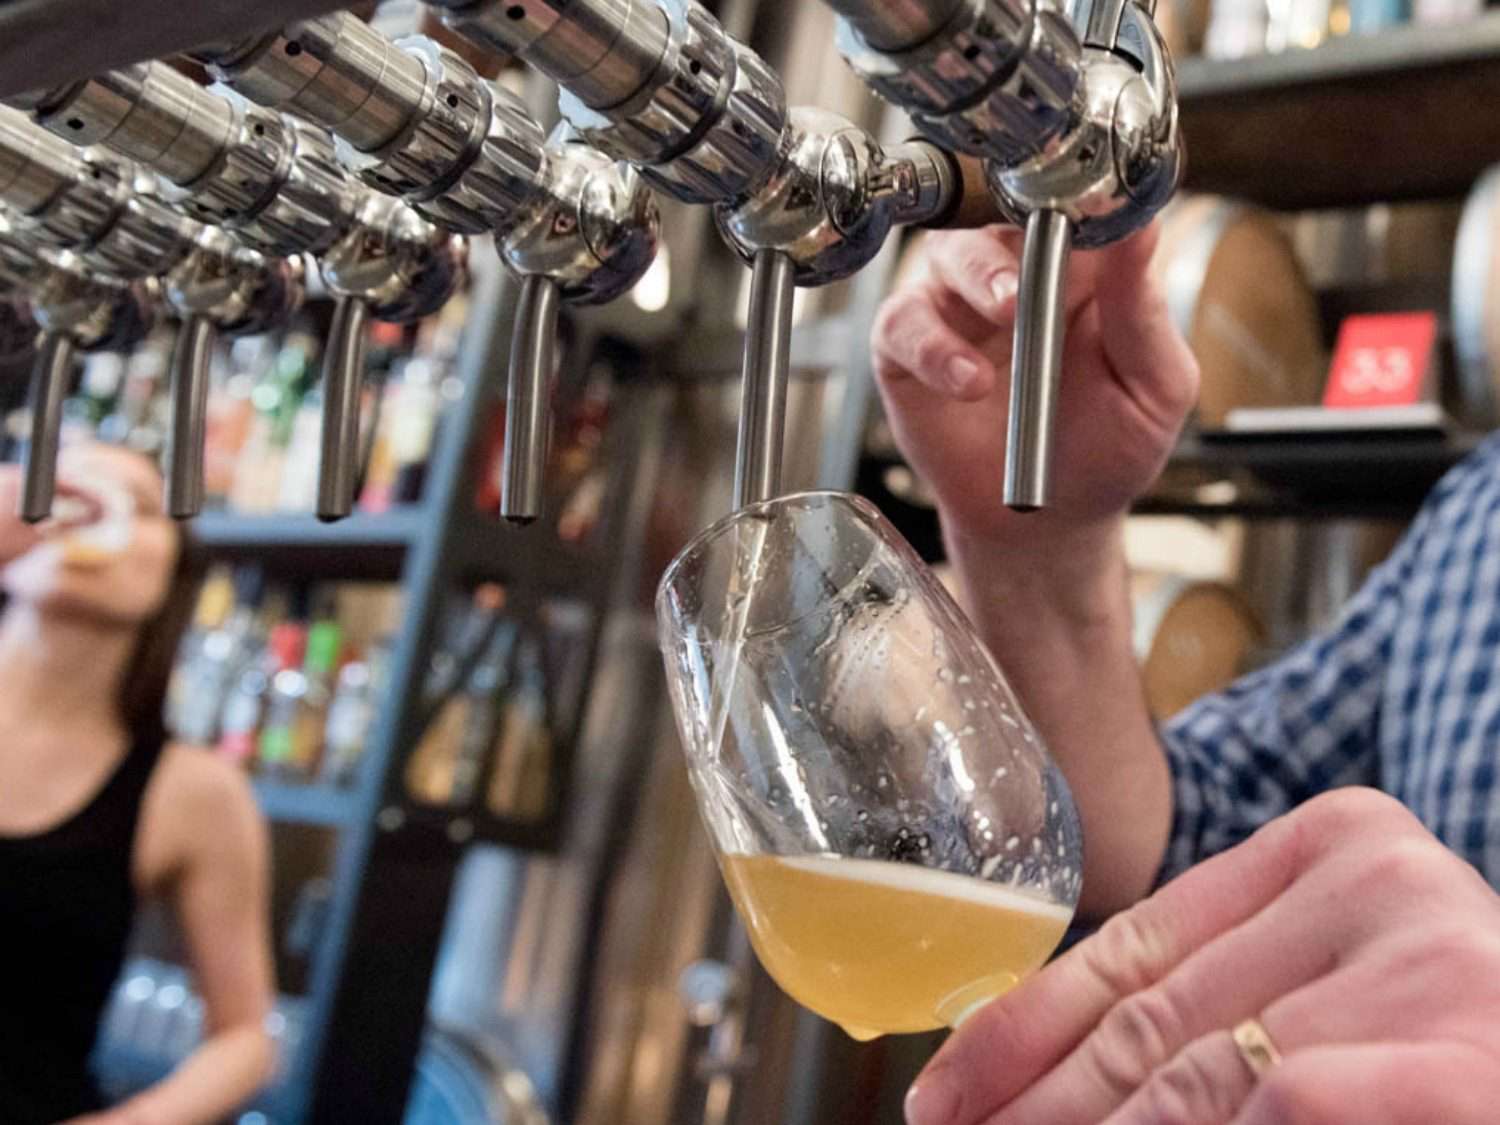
(1061, 851)
(862, 816)
(882, 782)
(990, 866)
(921, 714)
(946, 675)
(965, 678)
(1036, 846)
(1054, 808)
(969, 705)
(1012, 843)
(987, 836)
(967, 732)
(999, 774)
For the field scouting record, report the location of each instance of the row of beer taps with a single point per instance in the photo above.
(376, 158)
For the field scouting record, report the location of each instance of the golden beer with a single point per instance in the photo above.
(882, 947)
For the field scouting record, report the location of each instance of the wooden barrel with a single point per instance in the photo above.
(1235, 290)
(1475, 308)
(1191, 637)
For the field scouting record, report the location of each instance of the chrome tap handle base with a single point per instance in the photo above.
(533, 360)
(1036, 368)
(343, 382)
(767, 371)
(49, 391)
(189, 384)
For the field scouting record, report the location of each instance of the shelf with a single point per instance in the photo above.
(373, 547)
(1357, 476)
(1367, 118)
(362, 546)
(293, 803)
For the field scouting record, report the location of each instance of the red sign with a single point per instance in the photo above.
(1382, 360)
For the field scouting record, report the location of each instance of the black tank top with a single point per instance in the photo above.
(67, 899)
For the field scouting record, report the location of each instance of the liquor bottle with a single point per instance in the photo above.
(241, 721)
(184, 699)
(276, 746)
(484, 715)
(224, 655)
(277, 399)
(310, 713)
(351, 716)
(231, 416)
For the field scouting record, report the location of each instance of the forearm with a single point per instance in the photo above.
(1054, 609)
(214, 1081)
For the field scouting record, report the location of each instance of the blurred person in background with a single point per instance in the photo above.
(1339, 961)
(99, 810)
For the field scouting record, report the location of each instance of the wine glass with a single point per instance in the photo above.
(895, 838)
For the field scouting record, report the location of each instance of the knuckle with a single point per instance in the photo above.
(929, 351)
(1188, 1090)
(1145, 1026)
(1405, 864)
(1452, 953)
(895, 315)
(1356, 808)
(1127, 953)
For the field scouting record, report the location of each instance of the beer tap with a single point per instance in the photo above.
(1075, 116)
(805, 197)
(104, 210)
(414, 120)
(76, 310)
(275, 183)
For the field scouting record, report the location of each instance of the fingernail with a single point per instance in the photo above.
(931, 1102)
(1004, 285)
(961, 373)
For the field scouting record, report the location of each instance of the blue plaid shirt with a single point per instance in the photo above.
(1403, 694)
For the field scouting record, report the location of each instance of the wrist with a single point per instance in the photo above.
(1059, 566)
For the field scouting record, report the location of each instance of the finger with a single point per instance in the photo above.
(1207, 1083)
(981, 268)
(1274, 954)
(911, 338)
(1148, 356)
(1034, 1027)
(1389, 1083)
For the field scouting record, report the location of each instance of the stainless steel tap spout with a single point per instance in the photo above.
(343, 380)
(49, 390)
(767, 370)
(1036, 368)
(533, 360)
(189, 386)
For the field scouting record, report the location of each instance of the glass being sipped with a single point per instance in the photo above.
(895, 838)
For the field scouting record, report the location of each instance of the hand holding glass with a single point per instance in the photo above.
(895, 838)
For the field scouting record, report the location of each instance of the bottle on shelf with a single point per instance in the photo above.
(277, 399)
(484, 715)
(351, 716)
(310, 716)
(277, 744)
(211, 672)
(231, 415)
(522, 744)
(242, 725)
